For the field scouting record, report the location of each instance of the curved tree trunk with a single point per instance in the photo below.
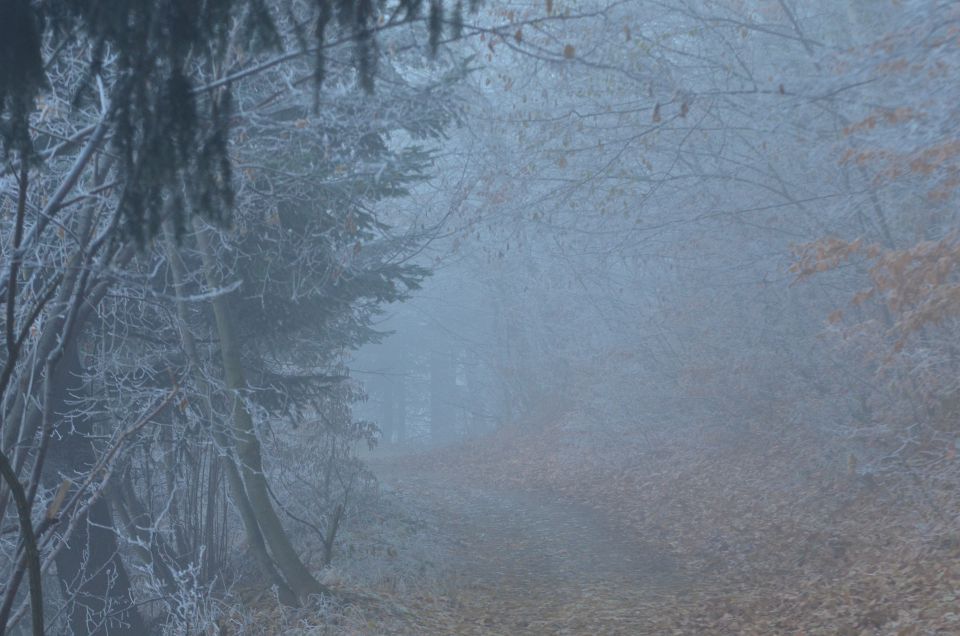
(234, 480)
(247, 444)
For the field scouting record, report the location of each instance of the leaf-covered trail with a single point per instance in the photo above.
(528, 563)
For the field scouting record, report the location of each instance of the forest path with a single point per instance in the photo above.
(527, 563)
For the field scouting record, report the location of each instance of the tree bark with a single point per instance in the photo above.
(442, 383)
(389, 409)
(93, 577)
(89, 568)
(235, 483)
(401, 417)
(247, 444)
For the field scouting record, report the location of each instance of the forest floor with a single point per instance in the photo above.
(561, 530)
(525, 562)
(566, 530)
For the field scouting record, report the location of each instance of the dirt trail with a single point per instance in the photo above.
(529, 563)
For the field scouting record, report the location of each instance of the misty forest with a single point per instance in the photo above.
(496, 317)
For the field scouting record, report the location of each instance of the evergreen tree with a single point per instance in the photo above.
(152, 111)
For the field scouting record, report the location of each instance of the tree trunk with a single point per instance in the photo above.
(94, 580)
(247, 444)
(388, 423)
(442, 383)
(234, 480)
(401, 416)
(91, 573)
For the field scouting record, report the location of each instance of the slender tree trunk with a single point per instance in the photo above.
(210, 563)
(234, 480)
(23, 418)
(388, 408)
(442, 384)
(89, 567)
(93, 577)
(401, 418)
(149, 547)
(247, 443)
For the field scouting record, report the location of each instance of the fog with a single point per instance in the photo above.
(532, 317)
